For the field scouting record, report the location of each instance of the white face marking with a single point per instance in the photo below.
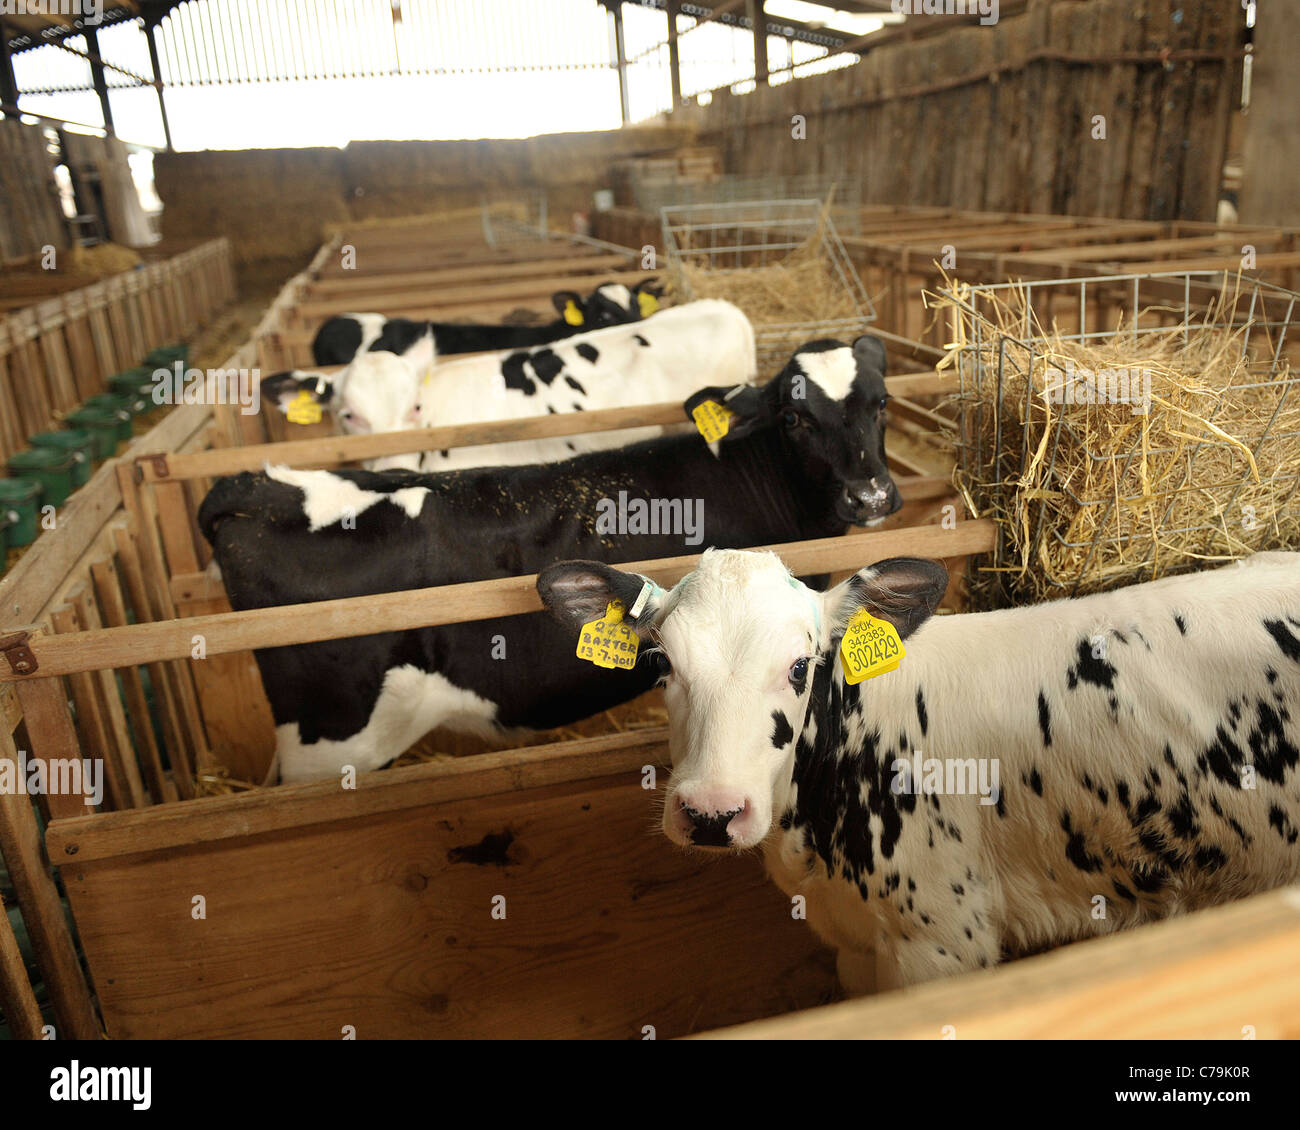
(377, 393)
(372, 325)
(617, 292)
(731, 678)
(327, 498)
(834, 370)
(411, 703)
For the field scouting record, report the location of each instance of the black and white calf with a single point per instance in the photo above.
(804, 458)
(343, 336)
(1025, 777)
(664, 358)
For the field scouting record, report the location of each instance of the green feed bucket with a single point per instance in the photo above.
(101, 424)
(79, 443)
(134, 383)
(165, 356)
(6, 522)
(121, 406)
(48, 466)
(19, 501)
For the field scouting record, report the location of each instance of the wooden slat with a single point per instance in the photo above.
(449, 604)
(52, 735)
(355, 287)
(328, 451)
(38, 899)
(108, 589)
(17, 1000)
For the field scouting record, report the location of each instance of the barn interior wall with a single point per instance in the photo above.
(30, 216)
(1003, 118)
(274, 204)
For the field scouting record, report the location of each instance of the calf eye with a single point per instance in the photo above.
(799, 673)
(660, 666)
(790, 419)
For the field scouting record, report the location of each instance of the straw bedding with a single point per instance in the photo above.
(1109, 496)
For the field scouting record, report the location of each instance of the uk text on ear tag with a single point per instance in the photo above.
(712, 419)
(572, 314)
(648, 303)
(870, 647)
(608, 642)
(304, 409)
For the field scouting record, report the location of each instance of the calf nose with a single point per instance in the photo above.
(709, 829)
(872, 497)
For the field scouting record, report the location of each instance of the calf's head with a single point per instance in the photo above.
(742, 648)
(377, 392)
(828, 405)
(610, 304)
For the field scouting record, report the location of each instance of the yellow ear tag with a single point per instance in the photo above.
(870, 647)
(648, 303)
(572, 314)
(608, 642)
(305, 409)
(712, 419)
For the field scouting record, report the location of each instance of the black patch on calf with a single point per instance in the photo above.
(1272, 751)
(587, 351)
(547, 365)
(1036, 781)
(920, 712)
(782, 731)
(1123, 891)
(1210, 858)
(568, 380)
(640, 340)
(1182, 624)
(1076, 850)
(1044, 720)
(1279, 822)
(1286, 639)
(512, 370)
(1089, 669)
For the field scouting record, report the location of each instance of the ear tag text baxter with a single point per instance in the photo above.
(712, 420)
(304, 409)
(608, 642)
(870, 647)
(647, 302)
(572, 314)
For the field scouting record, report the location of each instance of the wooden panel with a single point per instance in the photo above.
(1214, 975)
(607, 929)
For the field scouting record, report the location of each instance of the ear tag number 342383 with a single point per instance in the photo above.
(870, 647)
(608, 642)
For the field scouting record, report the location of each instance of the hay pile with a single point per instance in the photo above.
(1109, 496)
(785, 297)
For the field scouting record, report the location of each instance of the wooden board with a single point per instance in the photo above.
(608, 928)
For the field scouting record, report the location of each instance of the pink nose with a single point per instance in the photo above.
(709, 817)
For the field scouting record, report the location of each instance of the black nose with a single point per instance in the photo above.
(710, 829)
(870, 499)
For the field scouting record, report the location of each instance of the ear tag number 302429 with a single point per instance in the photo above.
(870, 647)
(304, 409)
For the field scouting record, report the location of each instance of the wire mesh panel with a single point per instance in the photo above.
(781, 261)
(844, 193)
(1120, 428)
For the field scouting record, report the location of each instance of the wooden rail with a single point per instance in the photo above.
(229, 632)
(327, 451)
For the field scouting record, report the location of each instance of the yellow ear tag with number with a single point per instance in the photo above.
(648, 303)
(608, 642)
(870, 647)
(572, 314)
(305, 409)
(712, 419)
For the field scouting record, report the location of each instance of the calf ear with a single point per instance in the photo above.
(568, 303)
(869, 354)
(283, 389)
(749, 408)
(903, 590)
(577, 592)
